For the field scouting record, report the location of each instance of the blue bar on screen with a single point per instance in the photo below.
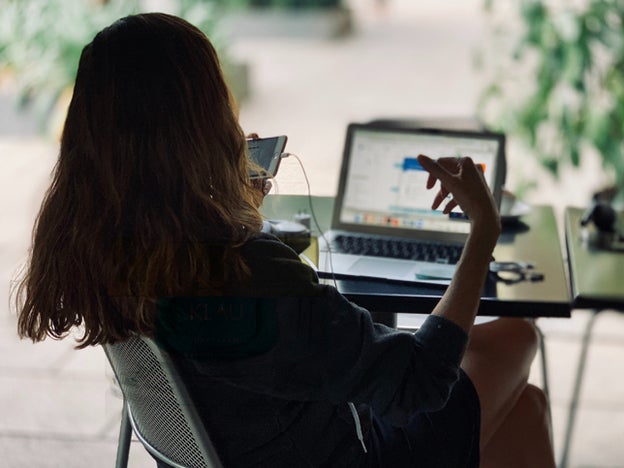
(411, 164)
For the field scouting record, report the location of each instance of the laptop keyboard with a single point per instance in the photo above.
(434, 252)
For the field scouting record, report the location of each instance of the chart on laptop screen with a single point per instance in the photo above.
(386, 184)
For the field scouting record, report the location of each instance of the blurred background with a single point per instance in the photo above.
(547, 73)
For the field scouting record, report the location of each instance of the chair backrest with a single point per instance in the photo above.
(161, 411)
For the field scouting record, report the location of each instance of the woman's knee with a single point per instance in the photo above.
(516, 334)
(534, 402)
(525, 432)
(509, 344)
(526, 336)
(535, 398)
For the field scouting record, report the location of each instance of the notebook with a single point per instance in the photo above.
(383, 226)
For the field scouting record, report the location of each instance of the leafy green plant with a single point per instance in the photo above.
(572, 100)
(41, 41)
(291, 4)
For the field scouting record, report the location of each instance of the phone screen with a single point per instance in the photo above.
(266, 152)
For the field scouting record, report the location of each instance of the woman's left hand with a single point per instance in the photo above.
(264, 185)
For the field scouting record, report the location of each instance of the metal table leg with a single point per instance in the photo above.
(577, 389)
(542, 346)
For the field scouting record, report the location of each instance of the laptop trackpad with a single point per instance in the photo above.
(382, 268)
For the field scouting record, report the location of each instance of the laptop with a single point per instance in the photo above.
(383, 226)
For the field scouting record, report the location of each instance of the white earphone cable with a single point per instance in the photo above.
(314, 218)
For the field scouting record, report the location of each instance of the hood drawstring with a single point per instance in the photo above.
(358, 426)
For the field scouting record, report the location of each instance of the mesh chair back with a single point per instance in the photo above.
(161, 411)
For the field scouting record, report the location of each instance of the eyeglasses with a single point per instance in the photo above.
(515, 272)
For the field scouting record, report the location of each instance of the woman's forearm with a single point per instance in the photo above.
(461, 300)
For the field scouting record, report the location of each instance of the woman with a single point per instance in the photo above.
(151, 226)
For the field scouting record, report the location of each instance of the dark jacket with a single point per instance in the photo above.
(274, 363)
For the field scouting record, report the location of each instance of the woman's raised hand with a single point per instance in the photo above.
(464, 181)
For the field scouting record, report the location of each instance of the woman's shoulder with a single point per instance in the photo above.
(267, 245)
(276, 268)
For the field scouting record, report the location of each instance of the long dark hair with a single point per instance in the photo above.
(150, 196)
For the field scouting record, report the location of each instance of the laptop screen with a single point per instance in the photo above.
(383, 187)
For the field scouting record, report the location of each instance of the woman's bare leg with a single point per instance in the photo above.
(523, 439)
(498, 361)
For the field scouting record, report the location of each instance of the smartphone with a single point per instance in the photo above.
(266, 153)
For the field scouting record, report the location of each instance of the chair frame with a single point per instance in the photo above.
(183, 402)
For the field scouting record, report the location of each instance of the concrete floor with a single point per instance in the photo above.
(57, 406)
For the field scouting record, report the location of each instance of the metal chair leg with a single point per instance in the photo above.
(125, 435)
(577, 389)
(545, 385)
(542, 346)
